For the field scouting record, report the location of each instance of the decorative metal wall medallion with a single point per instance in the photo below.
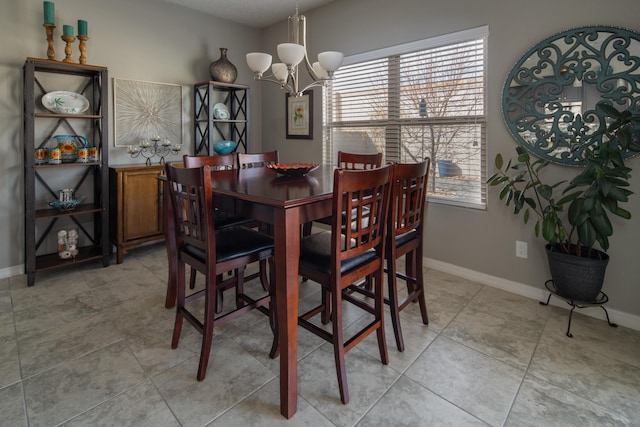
(549, 98)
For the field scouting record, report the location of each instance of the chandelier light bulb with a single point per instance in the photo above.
(258, 62)
(279, 71)
(291, 53)
(330, 61)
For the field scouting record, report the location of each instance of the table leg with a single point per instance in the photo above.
(287, 253)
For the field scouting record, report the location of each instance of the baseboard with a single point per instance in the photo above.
(620, 317)
(16, 270)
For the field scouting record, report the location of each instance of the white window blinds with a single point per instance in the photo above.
(423, 99)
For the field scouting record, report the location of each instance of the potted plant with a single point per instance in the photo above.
(577, 266)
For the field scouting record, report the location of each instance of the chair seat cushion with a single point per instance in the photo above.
(315, 255)
(406, 237)
(234, 242)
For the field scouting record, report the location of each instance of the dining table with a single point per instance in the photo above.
(284, 203)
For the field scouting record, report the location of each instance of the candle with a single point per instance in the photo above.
(67, 30)
(82, 27)
(48, 13)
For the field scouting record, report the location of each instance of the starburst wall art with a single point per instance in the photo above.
(144, 110)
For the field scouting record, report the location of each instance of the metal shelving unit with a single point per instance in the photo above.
(209, 129)
(91, 218)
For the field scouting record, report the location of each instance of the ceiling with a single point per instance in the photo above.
(254, 13)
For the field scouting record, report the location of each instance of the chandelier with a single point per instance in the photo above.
(285, 73)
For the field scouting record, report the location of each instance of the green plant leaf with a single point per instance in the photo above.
(622, 213)
(602, 224)
(499, 161)
(526, 215)
(545, 191)
(586, 234)
(549, 228)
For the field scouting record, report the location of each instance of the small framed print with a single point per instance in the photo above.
(300, 116)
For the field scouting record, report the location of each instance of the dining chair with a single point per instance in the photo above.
(343, 256)
(210, 251)
(251, 160)
(222, 218)
(349, 161)
(404, 239)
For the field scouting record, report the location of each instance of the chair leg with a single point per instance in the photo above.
(219, 295)
(338, 345)
(379, 316)
(192, 278)
(180, 297)
(420, 288)
(326, 304)
(393, 302)
(239, 287)
(263, 275)
(207, 333)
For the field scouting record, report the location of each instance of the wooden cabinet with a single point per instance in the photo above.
(208, 127)
(136, 205)
(64, 83)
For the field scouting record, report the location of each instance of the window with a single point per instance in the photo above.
(422, 99)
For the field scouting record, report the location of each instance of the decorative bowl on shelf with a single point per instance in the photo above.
(64, 102)
(221, 112)
(224, 147)
(67, 205)
(293, 169)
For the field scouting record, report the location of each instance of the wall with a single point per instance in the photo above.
(147, 40)
(480, 241)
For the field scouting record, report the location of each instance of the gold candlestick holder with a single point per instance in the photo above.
(48, 28)
(68, 50)
(83, 49)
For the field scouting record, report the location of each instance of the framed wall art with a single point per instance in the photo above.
(144, 110)
(300, 116)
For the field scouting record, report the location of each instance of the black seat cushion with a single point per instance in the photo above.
(406, 237)
(234, 242)
(315, 255)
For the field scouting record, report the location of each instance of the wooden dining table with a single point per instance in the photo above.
(285, 203)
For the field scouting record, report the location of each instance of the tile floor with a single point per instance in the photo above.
(91, 346)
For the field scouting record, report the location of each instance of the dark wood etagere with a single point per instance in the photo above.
(42, 181)
(210, 129)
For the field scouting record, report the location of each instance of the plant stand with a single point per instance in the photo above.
(600, 300)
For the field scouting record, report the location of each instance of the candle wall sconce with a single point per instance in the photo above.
(154, 148)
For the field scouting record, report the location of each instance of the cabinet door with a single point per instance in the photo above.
(142, 207)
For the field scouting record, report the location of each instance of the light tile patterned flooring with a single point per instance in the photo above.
(91, 346)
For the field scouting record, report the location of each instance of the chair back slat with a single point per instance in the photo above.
(192, 201)
(253, 160)
(355, 161)
(219, 162)
(360, 210)
(408, 196)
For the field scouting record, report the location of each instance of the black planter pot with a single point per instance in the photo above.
(578, 278)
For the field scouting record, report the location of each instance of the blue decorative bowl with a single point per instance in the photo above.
(224, 147)
(66, 206)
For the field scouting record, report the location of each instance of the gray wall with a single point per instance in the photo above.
(481, 241)
(153, 41)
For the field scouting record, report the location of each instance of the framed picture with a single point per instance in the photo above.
(300, 116)
(144, 110)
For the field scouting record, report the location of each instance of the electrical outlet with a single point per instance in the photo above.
(521, 249)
